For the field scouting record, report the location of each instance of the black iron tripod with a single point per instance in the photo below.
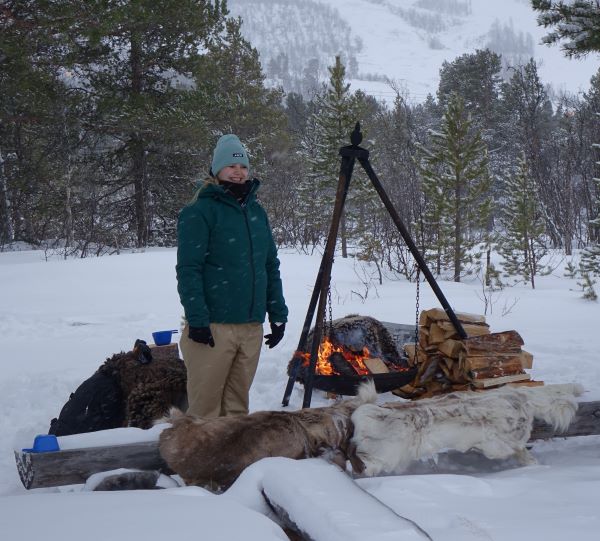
(350, 154)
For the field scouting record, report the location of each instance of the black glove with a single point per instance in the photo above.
(202, 335)
(277, 331)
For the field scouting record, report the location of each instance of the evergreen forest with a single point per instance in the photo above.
(109, 112)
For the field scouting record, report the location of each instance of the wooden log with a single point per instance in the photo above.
(498, 342)
(451, 348)
(493, 382)
(438, 314)
(436, 334)
(38, 470)
(325, 512)
(507, 363)
(170, 351)
(74, 466)
(530, 383)
(470, 328)
(586, 423)
(495, 372)
(341, 365)
(482, 362)
(424, 337)
(409, 349)
(526, 359)
(376, 366)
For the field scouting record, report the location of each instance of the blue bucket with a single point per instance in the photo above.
(44, 443)
(163, 338)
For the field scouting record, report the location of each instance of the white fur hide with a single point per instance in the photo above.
(496, 423)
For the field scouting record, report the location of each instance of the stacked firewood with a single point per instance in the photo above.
(448, 363)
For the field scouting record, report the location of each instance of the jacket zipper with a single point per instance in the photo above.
(251, 259)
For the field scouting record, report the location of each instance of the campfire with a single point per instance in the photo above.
(340, 369)
(338, 360)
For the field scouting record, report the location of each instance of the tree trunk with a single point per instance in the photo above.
(68, 210)
(7, 232)
(457, 231)
(138, 157)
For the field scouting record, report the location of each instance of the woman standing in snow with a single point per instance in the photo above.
(228, 280)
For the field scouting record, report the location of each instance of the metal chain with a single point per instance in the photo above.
(330, 312)
(417, 312)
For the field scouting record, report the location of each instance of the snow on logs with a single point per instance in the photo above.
(448, 363)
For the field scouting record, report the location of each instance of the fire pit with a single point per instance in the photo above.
(345, 360)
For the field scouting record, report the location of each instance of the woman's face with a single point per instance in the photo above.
(234, 173)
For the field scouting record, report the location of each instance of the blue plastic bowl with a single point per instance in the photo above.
(163, 338)
(44, 443)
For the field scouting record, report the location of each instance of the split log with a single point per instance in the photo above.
(376, 366)
(437, 334)
(494, 382)
(497, 371)
(409, 349)
(451, 348)
(526, 359)
(500, 342)
(438, 314)
(510, 364)
(472, 329)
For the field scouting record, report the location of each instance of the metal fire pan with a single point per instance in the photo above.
(348, 385)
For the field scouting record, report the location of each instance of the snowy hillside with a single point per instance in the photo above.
(404, 40)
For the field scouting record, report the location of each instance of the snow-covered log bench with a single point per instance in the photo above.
(85, 454)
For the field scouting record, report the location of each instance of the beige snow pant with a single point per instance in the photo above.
(219, 378)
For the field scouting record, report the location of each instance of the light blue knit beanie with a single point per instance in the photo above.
(229, 151)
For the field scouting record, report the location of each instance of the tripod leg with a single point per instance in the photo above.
(346, 168)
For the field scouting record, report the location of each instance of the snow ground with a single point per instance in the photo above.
(61, 319)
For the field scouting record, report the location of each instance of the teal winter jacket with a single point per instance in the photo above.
(227, 265)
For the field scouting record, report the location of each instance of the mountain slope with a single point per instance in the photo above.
(403, 40)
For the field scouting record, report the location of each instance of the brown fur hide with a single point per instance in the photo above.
(149, 390)
(213, 452)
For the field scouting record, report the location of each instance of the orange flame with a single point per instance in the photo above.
(326, 349)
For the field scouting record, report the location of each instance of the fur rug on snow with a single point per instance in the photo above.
(496, 423)
(123, 392)
(212, 453)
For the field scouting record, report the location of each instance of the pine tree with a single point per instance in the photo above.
(134, 59)
(576, 23)
(476, 78)
(522, 244)
(590, 258)
(456, 182)
(29, 83)
(328, 129)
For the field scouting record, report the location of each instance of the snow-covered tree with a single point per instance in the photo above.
(522, 239)
(456, 183)
(575, 23)
(336, 112)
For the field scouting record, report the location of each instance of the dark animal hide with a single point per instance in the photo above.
(123, 392)
(212, 453)
(357, 332)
